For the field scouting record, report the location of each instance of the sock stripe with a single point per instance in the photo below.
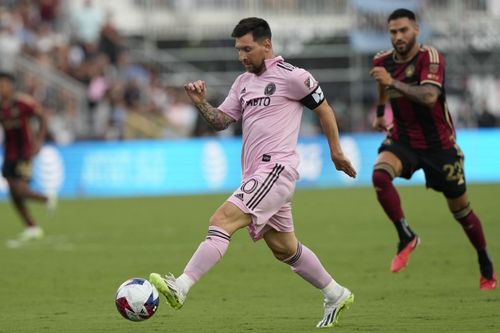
(385, 167)
(266, 186)
(462, 213)
(291, 261)
(217, 233)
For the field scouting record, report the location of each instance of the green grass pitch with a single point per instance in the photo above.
(67, 282)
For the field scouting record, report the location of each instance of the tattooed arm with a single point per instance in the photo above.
(426, 94)
(214, 117)
(197, 92)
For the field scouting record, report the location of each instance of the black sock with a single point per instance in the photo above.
(485, 264)
(405, 234)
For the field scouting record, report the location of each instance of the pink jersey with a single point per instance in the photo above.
(271, 106)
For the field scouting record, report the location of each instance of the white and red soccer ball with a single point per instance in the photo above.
(137, 299)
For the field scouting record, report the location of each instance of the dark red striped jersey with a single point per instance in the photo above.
(414, 124)
(15, 121)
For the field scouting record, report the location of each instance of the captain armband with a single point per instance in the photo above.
(380, 110)
(314, 99)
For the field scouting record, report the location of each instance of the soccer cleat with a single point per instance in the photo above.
(168, 287)
(488, 284)
(29, 234)
(334, 309)
(401, 259)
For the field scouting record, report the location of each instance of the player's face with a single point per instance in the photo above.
(6, 88)
(404, 34)
(252, 53)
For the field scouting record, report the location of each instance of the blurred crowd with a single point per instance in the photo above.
(121, 99)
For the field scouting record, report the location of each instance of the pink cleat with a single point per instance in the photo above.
(401, 259)
(488, 284)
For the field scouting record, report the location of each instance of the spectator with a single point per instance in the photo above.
(87, 22)
(485, 118)
(111, 42)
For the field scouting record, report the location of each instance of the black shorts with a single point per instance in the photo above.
(443, 169)
(17, 169)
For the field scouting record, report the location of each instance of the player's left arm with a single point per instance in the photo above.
(307, 90)
(328, 123)
(426, 94)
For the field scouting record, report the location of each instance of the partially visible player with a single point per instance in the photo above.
(422, 136)
(22, 143)
(269, 99)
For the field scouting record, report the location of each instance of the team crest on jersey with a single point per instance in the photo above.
(409, 71)
(309, 82)
(433, 68)
(270, 89)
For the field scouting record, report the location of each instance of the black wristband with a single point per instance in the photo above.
(380, 110)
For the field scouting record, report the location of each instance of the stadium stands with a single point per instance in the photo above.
(112, 69)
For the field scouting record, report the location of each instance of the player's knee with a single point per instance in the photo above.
(218, 219)
(283, 253)
(462, 213)
(16, 191)
(229, 222)
(381, 179)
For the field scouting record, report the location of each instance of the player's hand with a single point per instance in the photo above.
(343, 164)
(381, 75)
(380, 124)
(196, 91)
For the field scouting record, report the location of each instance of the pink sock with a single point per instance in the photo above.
(208, 253)
(305, 263)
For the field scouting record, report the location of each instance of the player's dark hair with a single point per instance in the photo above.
(8, 76)
(401, 13)
(258, 27)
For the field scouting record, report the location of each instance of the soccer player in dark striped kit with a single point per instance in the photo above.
(22, 142)
(411, 76)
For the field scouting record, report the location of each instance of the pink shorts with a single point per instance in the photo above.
(267, 196)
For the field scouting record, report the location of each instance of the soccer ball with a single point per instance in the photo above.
(137, 299)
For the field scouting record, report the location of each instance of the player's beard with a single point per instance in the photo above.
(256, 69)
(407, 47)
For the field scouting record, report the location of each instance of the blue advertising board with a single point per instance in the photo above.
(195, 166)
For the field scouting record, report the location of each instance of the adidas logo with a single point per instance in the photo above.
(239, 196)
(244, 90)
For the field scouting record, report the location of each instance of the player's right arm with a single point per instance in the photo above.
(217, 119)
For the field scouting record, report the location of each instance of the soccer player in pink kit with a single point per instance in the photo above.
(269, 98)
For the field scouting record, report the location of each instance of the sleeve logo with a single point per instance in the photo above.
(318, 95)
(309, 82)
